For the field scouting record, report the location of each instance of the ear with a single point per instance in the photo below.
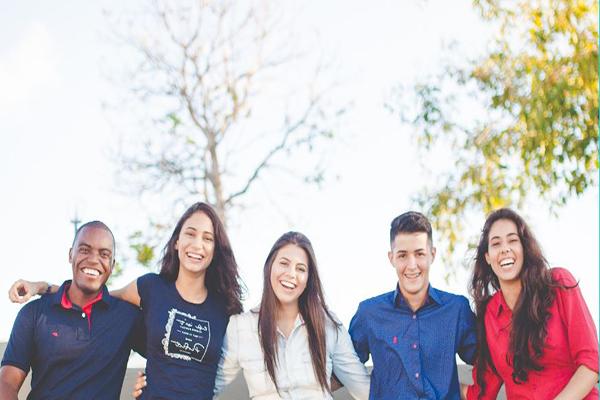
(433, 251)
(391, 258)
(176, 243)
(70, 255)
(487, 258)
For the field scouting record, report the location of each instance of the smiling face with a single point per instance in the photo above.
(289, 274)
(196, 244)
(505, 251)
(411, 256)
(91, 258)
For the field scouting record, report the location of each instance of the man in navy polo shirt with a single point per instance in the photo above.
(414, 332)
(76, 341)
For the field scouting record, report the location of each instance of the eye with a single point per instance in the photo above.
(209, 239)
(105, 254)
(83, 250)
(495, 244)
(189, 234)
(302, 268)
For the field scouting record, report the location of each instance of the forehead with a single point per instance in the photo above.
(293, 253)
(410, 241)
(95, 237)
(199, 221)
(503, 227)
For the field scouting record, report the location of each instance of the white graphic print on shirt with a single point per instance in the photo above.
(186, 337)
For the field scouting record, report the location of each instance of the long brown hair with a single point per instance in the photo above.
(530, 314)
(222, 276)
(312, 309)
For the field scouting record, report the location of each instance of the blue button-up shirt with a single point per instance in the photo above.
(414, 353)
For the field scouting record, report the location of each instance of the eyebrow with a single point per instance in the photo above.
(83, 244)
(414, 251)
(196, 230)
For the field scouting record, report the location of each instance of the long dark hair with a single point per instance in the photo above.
(312, 309)
(530, 314)
(222, 276)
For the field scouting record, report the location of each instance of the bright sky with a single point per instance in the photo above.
(56, 143)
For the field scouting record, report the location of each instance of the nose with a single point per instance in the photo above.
(292, 272)
(411, 262)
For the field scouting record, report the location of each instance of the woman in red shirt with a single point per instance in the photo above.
(535, 333)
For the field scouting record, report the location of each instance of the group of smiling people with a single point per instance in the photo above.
(531, 329)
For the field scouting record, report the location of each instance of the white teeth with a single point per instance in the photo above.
(90, 271)
(195, 256)
(507, 262)
(411, 276)
(288, 285)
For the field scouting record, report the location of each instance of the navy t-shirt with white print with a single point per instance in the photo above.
(183, 340)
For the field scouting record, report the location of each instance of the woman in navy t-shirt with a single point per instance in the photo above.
(187, 306)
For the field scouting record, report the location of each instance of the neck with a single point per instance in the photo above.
(286, 317)
(191, 287)
(511, 292)
(415, 301)
(78, 297)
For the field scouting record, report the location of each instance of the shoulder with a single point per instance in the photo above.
(562, 276)
(245, 321)
(452, 299)
(150, 280)
(34, 308)
(123, 306)
(376, 302)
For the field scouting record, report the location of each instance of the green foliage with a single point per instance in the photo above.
(532, 127)
(144, 252)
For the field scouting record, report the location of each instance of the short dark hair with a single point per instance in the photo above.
(95, 224)
(411, 222)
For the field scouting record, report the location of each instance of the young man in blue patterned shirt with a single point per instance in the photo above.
(414, 332)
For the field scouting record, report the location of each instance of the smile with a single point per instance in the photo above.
(414, 275)
(195, 256)
(507, 263)
(288, 284)
(90, 272)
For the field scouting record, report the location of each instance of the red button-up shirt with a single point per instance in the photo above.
(571, 341)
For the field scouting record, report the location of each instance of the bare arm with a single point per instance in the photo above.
(580, 384)
(129, 293)
(11, 380)
(21, 291)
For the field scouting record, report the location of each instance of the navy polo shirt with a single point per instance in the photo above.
(73, 355)
(414, 353)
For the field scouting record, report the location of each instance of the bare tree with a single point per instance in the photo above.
(203, 68)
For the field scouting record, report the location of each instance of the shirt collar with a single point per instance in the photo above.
(498, 304)
(60, 298)
(433, 296)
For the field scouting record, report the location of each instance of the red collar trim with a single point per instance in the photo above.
(66, 303)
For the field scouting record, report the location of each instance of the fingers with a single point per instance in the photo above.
(19, 292)
(140, 384)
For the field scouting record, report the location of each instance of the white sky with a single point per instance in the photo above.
(55, 146)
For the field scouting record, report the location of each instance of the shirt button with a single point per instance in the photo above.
(82, 315)
(417, 375)
(414, 346)
(414, 316)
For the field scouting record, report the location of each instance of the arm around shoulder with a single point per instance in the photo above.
(128, 293)
(21, 291)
